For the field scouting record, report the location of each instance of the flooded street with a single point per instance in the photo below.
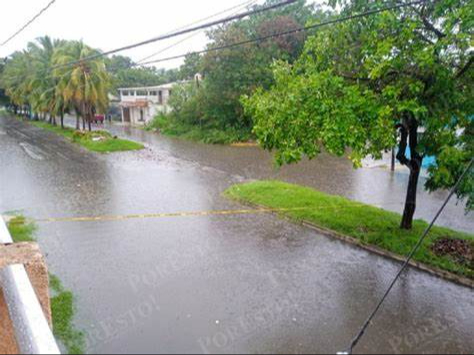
(220, 283)
(375, 186)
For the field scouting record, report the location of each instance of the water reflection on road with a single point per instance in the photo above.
(219, 284)
(376, 186)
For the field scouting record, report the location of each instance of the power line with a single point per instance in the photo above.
(179, 33)
(322, 24)
(293, 31)
(29, 22)
(245, 4)
(407, 262)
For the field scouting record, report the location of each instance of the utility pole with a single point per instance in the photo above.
(393, 159)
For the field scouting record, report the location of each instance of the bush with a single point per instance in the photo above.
(78, 136)
(207, 133)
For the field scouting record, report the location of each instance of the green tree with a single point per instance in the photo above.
(359, 85)
(45, 97)
(233, 72)
(190, 67)
(125, 73)
(16, 80)
(3, 97)
(85, 85)
(187, 103)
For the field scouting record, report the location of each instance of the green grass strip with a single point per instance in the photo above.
(368, 224)
(96, 141)
(62, 300)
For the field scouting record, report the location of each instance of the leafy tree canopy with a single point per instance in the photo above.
(125, 73)
(360, 83)
(232, 72)
(3, 97)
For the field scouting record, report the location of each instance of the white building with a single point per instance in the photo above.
(140, 105)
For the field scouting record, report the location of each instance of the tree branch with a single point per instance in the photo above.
(424, 38)
(354, 78)
(432, 28)
(409, 137)
(428, 25)
(402, 148)
(466, 67)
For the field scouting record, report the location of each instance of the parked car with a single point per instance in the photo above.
(98, 119)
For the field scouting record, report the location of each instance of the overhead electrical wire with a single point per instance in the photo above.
(361, 333)
(179, 33)
(365, 326)
(260, 39)
(175, 34)
(289, 32)
(28, 23)
(245, 4)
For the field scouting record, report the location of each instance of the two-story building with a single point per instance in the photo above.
(140, 105)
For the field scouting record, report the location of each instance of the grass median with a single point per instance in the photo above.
(62, 300)
(95, 141)
(445, 249)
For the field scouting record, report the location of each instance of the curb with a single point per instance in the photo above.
(446, 275)
(449, 276)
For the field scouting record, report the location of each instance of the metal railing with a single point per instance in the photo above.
(32, 331)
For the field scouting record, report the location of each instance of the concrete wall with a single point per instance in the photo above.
(38, 274)
(154, 106)
(149, 113)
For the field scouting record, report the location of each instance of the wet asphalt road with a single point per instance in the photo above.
(219, 284)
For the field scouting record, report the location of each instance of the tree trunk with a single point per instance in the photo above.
(410, 202)
(78, 121)
(84, 116)
(62, 119)
(89, 119)
(409, 135)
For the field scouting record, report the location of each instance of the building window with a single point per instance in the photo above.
(141, 93)
(125, 93)
(153, 93)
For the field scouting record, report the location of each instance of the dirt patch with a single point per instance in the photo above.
(461, 251)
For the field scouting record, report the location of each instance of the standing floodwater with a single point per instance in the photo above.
(220, 283)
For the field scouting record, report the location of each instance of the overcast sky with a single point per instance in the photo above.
(108, 24)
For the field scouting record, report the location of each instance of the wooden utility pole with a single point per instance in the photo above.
(393, 159)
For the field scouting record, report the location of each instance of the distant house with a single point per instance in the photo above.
(140, 105)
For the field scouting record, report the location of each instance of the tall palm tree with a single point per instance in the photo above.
(44, 98)
(85, 84)
(16, 79)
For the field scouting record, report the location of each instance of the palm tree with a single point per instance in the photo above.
(44, 98)
(16, 80)
(84, 84)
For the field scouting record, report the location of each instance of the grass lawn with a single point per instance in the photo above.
(368, 224)
(96, 141)
(205, 134)
(62, 301)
